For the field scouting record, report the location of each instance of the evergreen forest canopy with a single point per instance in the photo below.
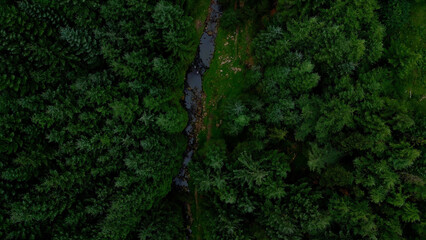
(325, 140)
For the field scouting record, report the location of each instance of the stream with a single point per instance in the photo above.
(193, 102)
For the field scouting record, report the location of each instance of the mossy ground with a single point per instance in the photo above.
(224, 81)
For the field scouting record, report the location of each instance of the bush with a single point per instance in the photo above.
(230, 20)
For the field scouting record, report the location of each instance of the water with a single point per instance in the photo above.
(193, 91)
(193, 103)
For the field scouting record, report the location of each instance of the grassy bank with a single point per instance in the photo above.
(224, 81)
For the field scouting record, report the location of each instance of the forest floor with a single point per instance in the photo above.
(223, 81)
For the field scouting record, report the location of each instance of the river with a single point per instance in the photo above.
(193, 102)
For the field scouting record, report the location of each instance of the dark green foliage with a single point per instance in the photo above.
(90, 122)
(336, 176)
(82, 43)
(230, 19)
(396, 14)
(303, 215)
(162, 222)
(341, 101)
(327, 142)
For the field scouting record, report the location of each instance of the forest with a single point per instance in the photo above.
(311, 123)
